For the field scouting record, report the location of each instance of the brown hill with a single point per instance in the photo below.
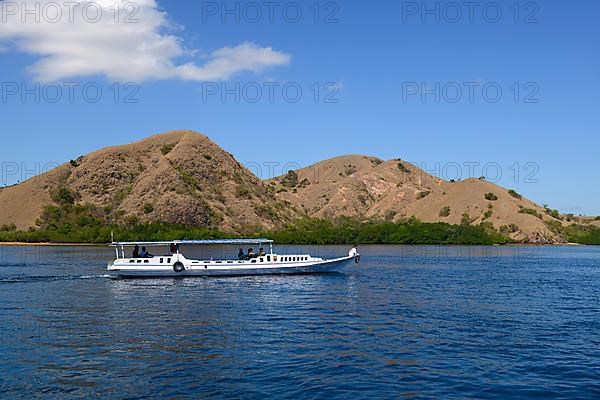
(367, 187)
(182, 177)
(178, 177)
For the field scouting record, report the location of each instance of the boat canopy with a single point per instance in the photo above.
(232, 242)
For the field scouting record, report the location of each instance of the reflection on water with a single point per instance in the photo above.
(408, 322)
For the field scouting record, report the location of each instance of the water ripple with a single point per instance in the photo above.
(406, 323)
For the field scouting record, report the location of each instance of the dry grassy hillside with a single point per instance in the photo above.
(179, 177)
(182, 177)
(366, 187)
(23, 204)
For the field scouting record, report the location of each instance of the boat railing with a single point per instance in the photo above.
(169, 259)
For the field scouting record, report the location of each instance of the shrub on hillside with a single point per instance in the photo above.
(508, 229)
(466, 219)
(389, 215)
(553, 213)
(515, 194)
(491, 196)
(166, 149)
(530, 211)
(403, 168)
(422, 195)
(445, 212)
(8, 228)
(290, 179)
(62, 196)
(243, 192)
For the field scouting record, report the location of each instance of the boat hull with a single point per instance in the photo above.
(200, 271)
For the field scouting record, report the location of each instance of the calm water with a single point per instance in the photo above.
(408, 322)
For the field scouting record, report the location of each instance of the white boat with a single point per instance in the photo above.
(172, 263)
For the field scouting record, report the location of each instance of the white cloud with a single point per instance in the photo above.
(137, 51)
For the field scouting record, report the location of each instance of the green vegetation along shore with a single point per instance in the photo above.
(86, 224)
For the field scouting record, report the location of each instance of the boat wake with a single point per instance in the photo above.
(28, 279)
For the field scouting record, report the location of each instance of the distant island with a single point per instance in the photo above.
(180, 185)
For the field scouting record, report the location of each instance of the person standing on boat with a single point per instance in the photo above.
(241, 254)
(354, 253)
(136, 252)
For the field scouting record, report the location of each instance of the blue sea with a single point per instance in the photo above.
(407, 322)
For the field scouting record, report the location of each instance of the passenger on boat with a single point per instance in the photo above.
(173, 248)
(241, 254)
(251, 254)
(136, 252)
(354, 253)
(145, 254)
(261, 252)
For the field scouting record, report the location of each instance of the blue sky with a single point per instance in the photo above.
(372, 60)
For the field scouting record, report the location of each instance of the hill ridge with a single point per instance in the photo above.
(183, 177)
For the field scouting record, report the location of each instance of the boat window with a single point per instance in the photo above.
(268, 258)
(229, 262)
(168, 261)
(262, 259)
(294, 258)
(253, 261)
(146, 261)
(131, 261)
(139, 261)
(161, 260)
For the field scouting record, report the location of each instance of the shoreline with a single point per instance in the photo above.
(48, 244)
(51, 244)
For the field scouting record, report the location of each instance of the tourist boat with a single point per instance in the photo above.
(172, 263)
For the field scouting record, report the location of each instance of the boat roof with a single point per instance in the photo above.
(195, 242)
